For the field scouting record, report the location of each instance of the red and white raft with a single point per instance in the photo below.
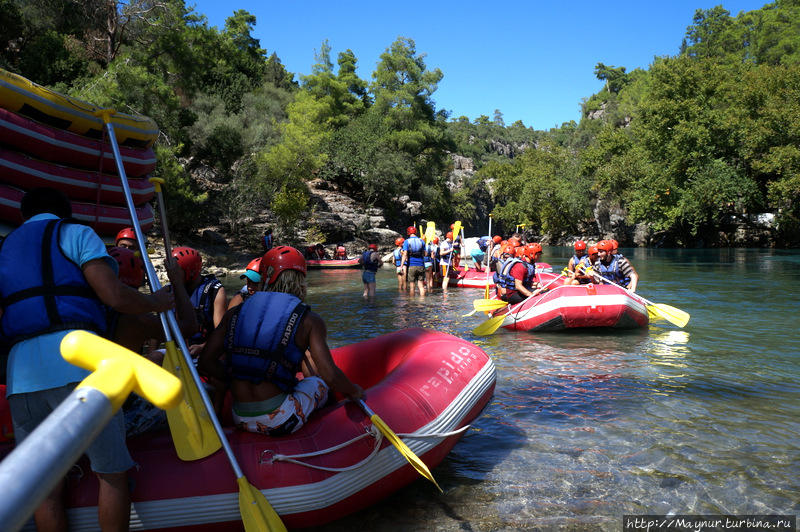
(576, 306)
(477, 279)
(325, 264)
(425, 385)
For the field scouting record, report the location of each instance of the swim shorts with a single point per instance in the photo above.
(292, 414)
(368, 277)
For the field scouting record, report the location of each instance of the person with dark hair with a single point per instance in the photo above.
(55, 276)
(370, 261)
(266, 240)
(262, 344)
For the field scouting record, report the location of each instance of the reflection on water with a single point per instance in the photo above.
(587, 426)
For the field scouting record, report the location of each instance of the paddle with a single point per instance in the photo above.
(491, 325)
(257, 514)
(430, 232)
(402, 448)
(192, 431)
(674, 315)
(488, 258)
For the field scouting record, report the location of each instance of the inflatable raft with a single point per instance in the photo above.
(105, 219)
(475, 279)
(61, 146)
(576, 306)
(332, 263)
(25, 97)
(427, 386)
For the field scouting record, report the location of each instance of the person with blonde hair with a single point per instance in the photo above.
(261, 345)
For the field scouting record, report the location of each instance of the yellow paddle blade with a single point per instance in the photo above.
(488, 304)
(456, 229)
(489, 326)
(192, 430)
(652, 314)
(430, 231)
(407, 453)
(671, 314)
(258, 515)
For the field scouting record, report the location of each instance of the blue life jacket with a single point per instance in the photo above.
(416, 247)
(429, 248)
(506, 280)
(202, 300)
(260, 339)
(576, 260)
(398, 257)
(483, 243)
(43, 291)
(611, 271)
(368, 264)
(267, 242)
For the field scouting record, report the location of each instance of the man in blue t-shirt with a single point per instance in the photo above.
(414, 257)
(51, 263)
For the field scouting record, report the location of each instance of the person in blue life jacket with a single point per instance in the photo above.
(614, 267)
(414, 257)
(478, 253)
(517, 280)
(252, 280)
(55, 277)
(370, 261)
(431, 262)
(579, 276)
(397, 256)
(267, 240)
(206, 294)
(263, 343)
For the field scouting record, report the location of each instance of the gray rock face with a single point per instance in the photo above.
(214, 238)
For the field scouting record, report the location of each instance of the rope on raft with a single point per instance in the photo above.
(370, 431)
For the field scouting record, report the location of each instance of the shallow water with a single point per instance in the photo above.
(587, 426)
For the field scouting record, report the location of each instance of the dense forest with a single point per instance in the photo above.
(696, 145)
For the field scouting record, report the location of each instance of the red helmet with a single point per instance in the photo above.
(497, 239)
(399, 241)
(534, 248)
(605, 245)
(373, 247)
(614, 244)
(127, 233)
(519, 251)
(508, 249)
(592, 250)
(452, 226)
(131, 266)
(435, 240)
(449, 235)
(411, 230)
(579, 245)
(189, 260)
(279, 259)
(514, 240)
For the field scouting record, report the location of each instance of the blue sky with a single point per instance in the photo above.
(534, 60)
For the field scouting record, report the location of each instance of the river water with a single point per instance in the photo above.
(587, 426)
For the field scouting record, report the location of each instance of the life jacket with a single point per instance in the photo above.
(416, 247)
(483, 243)
(429, 248)
(506, 280)
(260, 340)
(611, 271)
(45, 291)
(267, 242)
(576, 260)
(398, 257)
(341, 253)
(202, 300)
(368, 263)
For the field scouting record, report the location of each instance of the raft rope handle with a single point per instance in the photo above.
(370, 431)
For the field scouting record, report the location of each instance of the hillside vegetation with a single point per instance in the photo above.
(685, 150)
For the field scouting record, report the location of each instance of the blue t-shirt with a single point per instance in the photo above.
(419, 247)
(36, 364)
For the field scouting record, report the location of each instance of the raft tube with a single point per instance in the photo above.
(420, 382)
(332, 263)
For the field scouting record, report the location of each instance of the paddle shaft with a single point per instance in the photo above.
(168, 318)
(609, 281)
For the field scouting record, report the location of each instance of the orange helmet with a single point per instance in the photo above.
(449, 235)
(279, 259)
(497, 239)
(579, 245)
(535, 247)
(399, 241)
(605, 245)
(508, 249)
(514, 240)
(452, 226)
(435, 240)
(592, 250)
(614, 244)
(131, 266)
(251, 272)
(190, 262)
(411, 230)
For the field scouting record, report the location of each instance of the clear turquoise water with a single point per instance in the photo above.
(588, 426)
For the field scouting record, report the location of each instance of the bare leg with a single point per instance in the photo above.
(51, 516)
(113, 502)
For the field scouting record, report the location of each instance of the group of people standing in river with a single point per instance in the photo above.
(57, 276)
